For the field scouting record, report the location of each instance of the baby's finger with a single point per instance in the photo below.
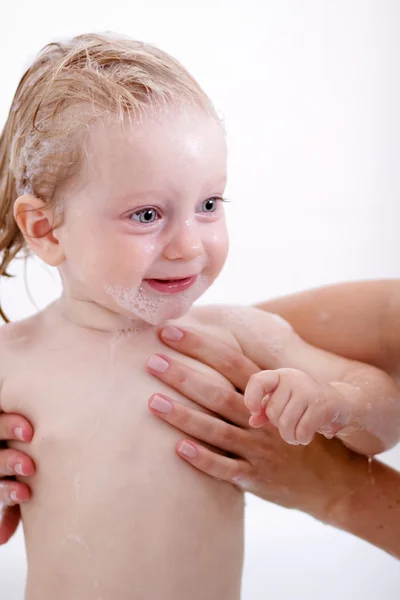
(290, 418)
(260, 385)
(278, 401)
(13, 492)
(257, 421)
(9, 519)
(318, 419)
(14, 462)
(211, 463)
(308, 425)
(15, 427)
(228, 361)
(204, 428)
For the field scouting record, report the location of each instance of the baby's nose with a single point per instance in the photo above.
(186, 244)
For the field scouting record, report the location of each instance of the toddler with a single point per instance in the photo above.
(113, 170)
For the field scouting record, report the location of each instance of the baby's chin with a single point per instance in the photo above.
(161, 314)
(147, 306)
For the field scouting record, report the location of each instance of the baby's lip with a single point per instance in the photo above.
(171, 286)
(168, 278)
(165, 279)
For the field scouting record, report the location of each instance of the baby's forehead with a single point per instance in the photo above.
(162, 148)
(163, 122)
(163, 136)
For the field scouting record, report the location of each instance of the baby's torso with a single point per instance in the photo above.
(115, 515)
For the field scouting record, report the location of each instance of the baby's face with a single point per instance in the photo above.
(144, 231)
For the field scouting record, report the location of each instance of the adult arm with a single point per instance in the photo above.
(323, 479)
(308, 388)
(358, 320)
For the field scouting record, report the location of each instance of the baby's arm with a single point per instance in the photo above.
(306, 390)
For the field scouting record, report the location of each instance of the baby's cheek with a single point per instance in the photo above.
(122, 263)
(217, 247)
(133, 257)
(99, 267)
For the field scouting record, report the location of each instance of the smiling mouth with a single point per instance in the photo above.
(171, 286)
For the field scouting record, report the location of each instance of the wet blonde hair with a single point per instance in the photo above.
(67, 86)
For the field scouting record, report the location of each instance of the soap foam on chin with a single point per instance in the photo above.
(154, 307)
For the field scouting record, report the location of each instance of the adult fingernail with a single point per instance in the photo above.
(160, 404)
(14, 497)
(157, 363)
(171, 333)
(19, 433)
(187, 450)
(18, 469)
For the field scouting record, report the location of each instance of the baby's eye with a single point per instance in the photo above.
(209, 205)
(146, 215)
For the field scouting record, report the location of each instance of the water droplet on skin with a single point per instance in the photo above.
(323, 317)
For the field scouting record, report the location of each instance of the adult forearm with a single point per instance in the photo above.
(356, 320)
(369, 506)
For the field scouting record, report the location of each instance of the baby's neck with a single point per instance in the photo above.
(93, 316)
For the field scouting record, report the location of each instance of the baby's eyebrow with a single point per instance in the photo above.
(212, 186)
(137, 195)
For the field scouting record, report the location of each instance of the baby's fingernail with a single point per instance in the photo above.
(18, 469)
(19, 433)
(187, 450)
(254, 422)
(160, 404)
(157, 363)
(254, 409)
(171, 333)
(265, 400)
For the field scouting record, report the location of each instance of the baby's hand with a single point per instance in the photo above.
(297, 404)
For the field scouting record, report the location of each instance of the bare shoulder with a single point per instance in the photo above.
(17, 340)
(251, 329)
(207, 320)
(19, 332)
(13, 338)
(239, 317)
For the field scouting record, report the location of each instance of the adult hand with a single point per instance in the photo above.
(324, 479)
(13, 462)
(309, 478)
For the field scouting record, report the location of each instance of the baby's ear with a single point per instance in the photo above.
(36, 221)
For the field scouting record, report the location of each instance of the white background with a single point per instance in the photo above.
(310, 93)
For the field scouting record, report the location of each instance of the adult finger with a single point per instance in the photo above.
(203, 427)
(14, 462)
(15, 427)
(228, 361)
(13, 492)
(9, 519)
(200, 388)
(212, 463)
